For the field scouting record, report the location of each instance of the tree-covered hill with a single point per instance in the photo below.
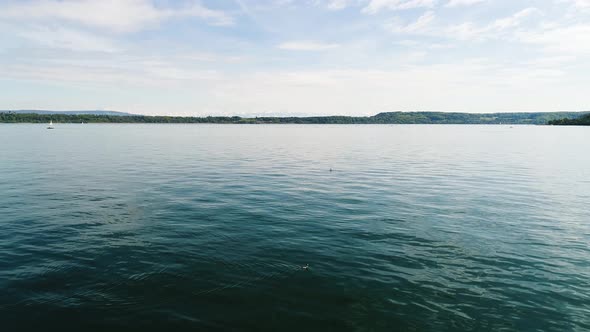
(581, 121)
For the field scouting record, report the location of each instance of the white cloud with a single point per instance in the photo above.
(570, 40)
(514, 20)
(375, 6)
(497, 29)
(73, 40)
(537, 61)
(421, 25)
(337, 4)
(306, 45)
(554, 61)
(469, 85)
(466, 86)
(458, 3)
(130, 71)
(115, 15)
(581, 3)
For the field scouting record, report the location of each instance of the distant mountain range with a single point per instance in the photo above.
(88, 112)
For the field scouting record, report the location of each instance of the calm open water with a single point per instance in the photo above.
(205, 227)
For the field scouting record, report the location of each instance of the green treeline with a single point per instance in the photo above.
(381, 118)
(581, 121)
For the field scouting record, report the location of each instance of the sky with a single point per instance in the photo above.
(295, 57)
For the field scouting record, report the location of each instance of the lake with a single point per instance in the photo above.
(205, 227)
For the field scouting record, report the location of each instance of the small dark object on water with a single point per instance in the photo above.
(330, 169)
(305, 267)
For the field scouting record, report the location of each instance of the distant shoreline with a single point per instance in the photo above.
(537, 118)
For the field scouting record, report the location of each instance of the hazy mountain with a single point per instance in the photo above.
(93, 112)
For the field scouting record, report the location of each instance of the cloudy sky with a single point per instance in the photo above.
(191, 57)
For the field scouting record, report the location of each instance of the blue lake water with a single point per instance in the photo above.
(204, 227)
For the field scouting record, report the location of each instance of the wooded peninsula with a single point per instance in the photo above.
(581, 121)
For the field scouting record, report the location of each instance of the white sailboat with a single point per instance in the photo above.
(50, 124)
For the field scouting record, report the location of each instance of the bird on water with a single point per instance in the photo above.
(305, 267)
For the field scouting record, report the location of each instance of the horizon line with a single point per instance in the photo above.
(279, 115)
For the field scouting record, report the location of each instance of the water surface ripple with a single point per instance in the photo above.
(416, 228)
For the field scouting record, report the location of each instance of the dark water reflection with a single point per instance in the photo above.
(417, 228)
